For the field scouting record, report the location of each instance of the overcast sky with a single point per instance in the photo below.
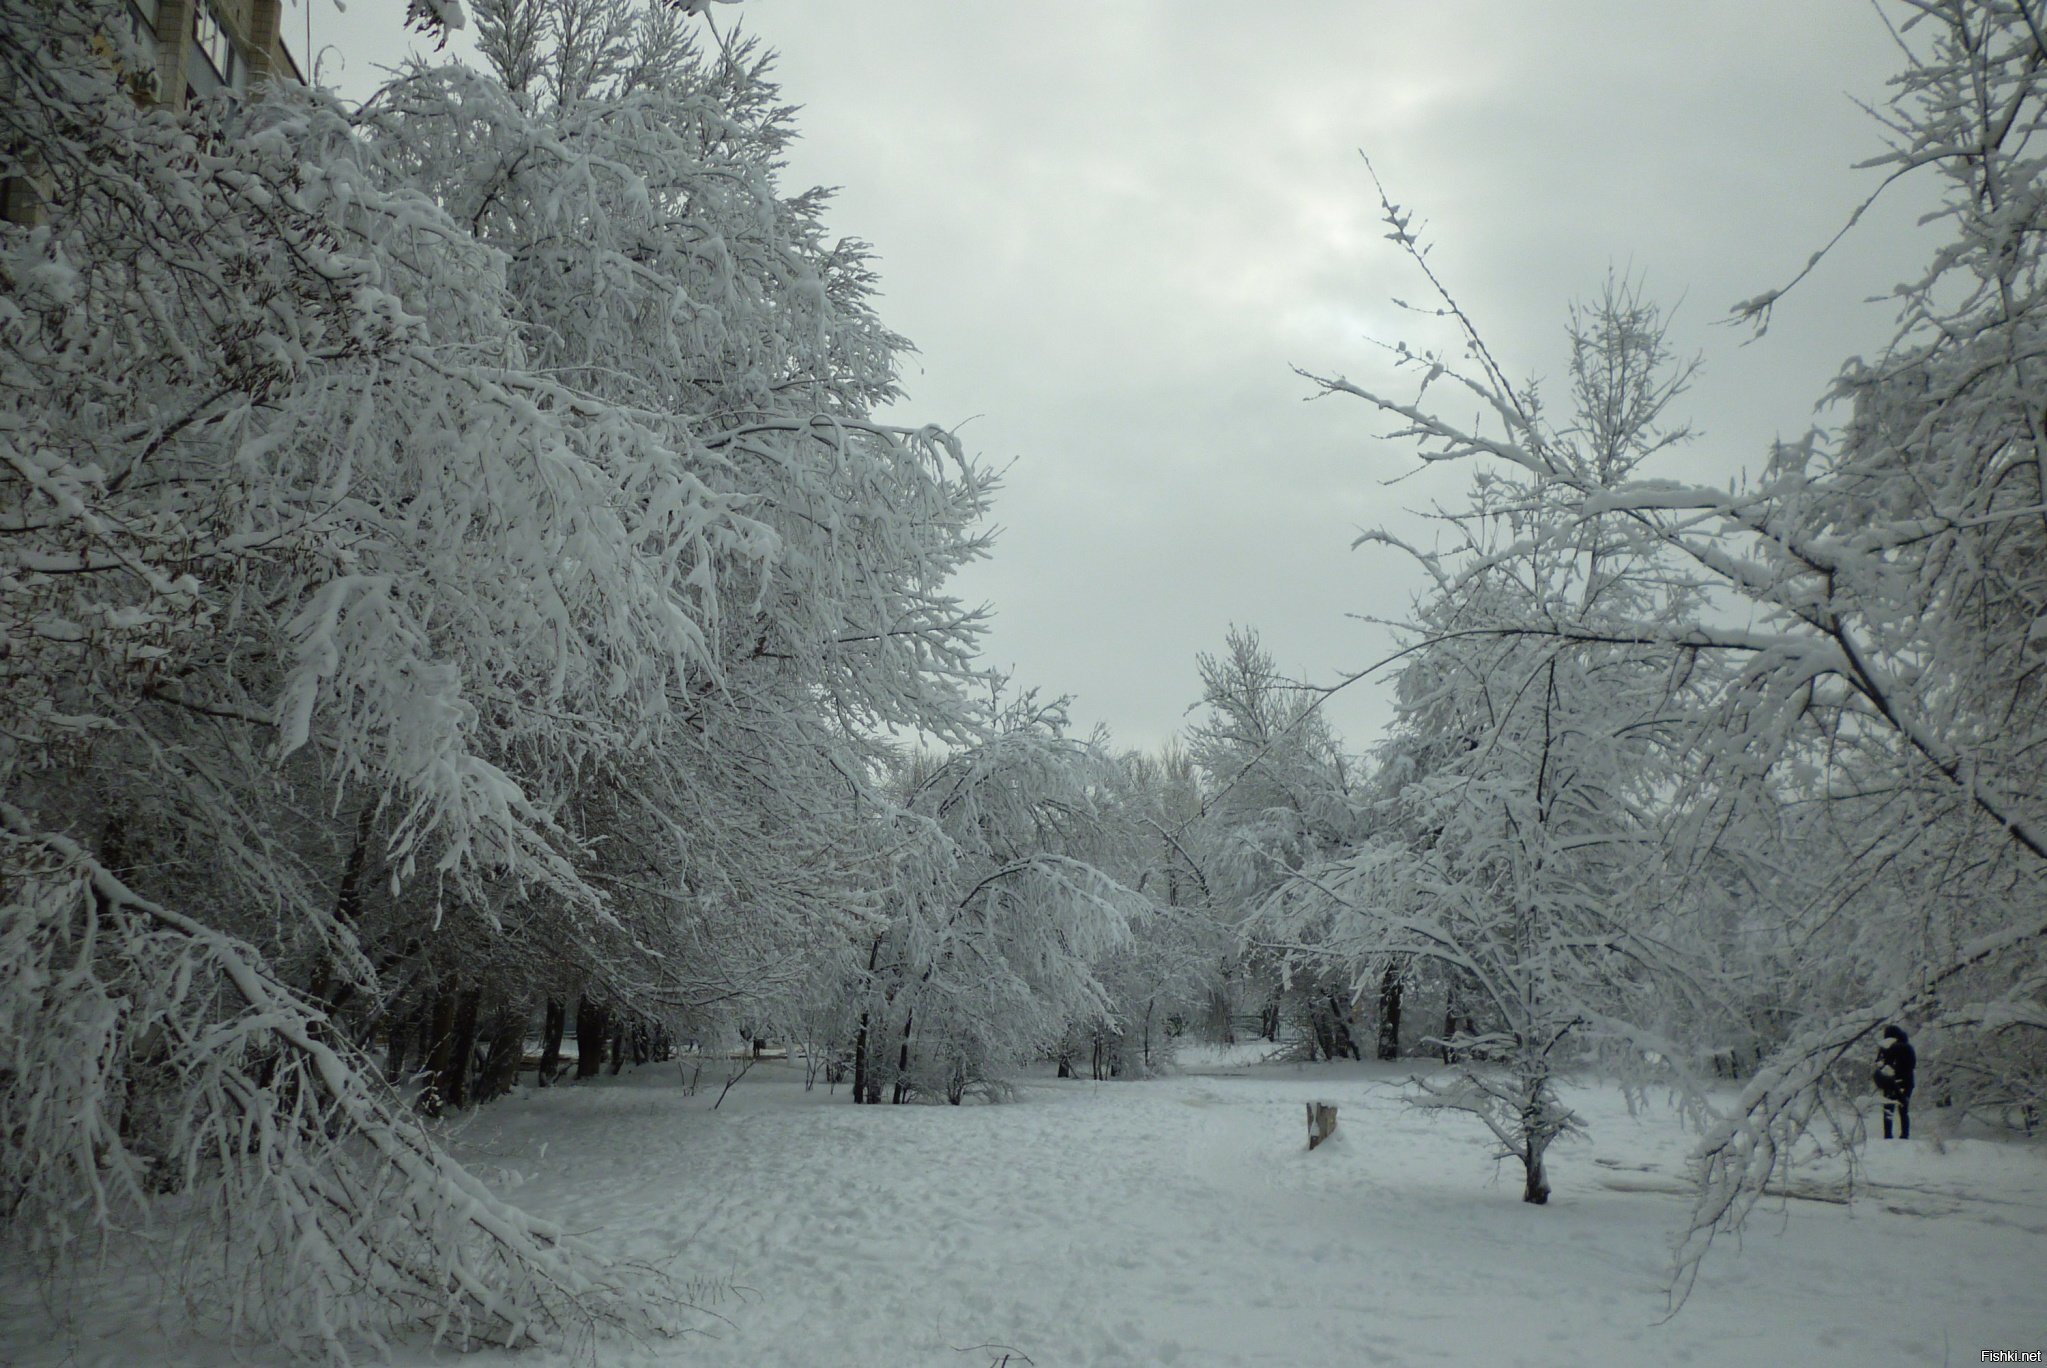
(1113, 228)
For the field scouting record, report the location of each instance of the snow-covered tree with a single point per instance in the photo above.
(251, 576)
(1277, 795)
(408, 615)
(1164, 973)
(995, 921)
(1523, 796)
(630, 185)
(1889, 667)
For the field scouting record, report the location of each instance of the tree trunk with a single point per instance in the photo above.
(423, 1036)
(455, 1078)
(902, 1088)
(592, 1025)
(1340, 1033)
(1222, 1014)
(404, 1030)
(1322, 1031)
(862, 1073)
(505, 1045)
(437, 1048)
(1389, 1013)
(617, 1043)
(1449, 1020)
(860, 1063)
(1537, 1189)
(347, 902)
(551, 1032)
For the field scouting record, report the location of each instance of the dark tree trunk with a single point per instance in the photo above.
(1449, 1021)
(455, 1079)
(592, 1025)
(429, 1038)
(1536, 1191)
(505, 1044)
(409, 1035)
(1389, 1014)
(617, 1043)
(347, 902)
(860, 1063)
(1268, 1021)
(1323, 1035)
(437, 1049)
(394, 1054)
(866, 1087)
(1340, 1032)
(552, 1029)
(1112, 1052)
(902, 1088)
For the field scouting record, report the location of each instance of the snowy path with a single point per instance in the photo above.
(1183, 1222)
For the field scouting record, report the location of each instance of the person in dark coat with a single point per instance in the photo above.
(1895, 1063)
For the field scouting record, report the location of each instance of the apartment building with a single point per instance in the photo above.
(201, 46)
(207, 45)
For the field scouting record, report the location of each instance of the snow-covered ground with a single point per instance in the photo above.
(1182, 1221)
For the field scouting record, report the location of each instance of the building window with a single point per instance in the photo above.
(211, 39)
